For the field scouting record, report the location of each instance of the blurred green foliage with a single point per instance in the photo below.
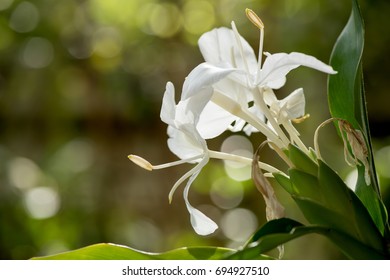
(81, 84)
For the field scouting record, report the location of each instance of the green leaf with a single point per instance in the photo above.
(305, 185)
(346, 202)
(326, 201)
(317, 214)
(106, 251)
(277, 232)
(344, 88)
(336, 193)
(347, 101)
(282, 225)
(372, 202)
(302, 161)
(284, 181)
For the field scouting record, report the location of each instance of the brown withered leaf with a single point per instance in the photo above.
(274, 210)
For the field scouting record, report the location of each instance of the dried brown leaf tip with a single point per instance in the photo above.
(274, 210)
(355, 148)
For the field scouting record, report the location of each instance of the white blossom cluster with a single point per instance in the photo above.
(232, 90)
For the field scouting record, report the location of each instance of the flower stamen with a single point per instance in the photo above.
(234, 108)
(301, 119)
(238, 40)
(295, 136)
(259, 101)
(244, 160)
(254, 18)
(148, 166)
(141, 162)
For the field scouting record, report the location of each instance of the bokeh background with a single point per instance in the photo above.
(81, 84)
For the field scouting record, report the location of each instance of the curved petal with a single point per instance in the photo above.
(277, 84)
(277, 66)
(168, 108)
(220, 46)
(213, 121)
(294, 104)
(201, 77)
(187, 175)
(235, 90)
(202, 224)
(311, 62)
(184, 144)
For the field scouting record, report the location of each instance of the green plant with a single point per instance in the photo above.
(355, 221)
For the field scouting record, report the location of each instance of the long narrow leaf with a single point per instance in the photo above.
(347, 101)
(344, 88)
(105, 251)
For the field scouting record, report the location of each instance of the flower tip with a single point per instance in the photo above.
(141, 162)
(254, 18)
(202, 224)
(206, 231)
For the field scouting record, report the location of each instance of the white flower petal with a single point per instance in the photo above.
(311, 62)
(236, 91)
(277, 66)
(289, 108)
(213, 121)
(195, 105)
(202, 224)
(167, 113)
(277, 84)
(203, 77)
(219, 46)
(183, 143)
(294, 104)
